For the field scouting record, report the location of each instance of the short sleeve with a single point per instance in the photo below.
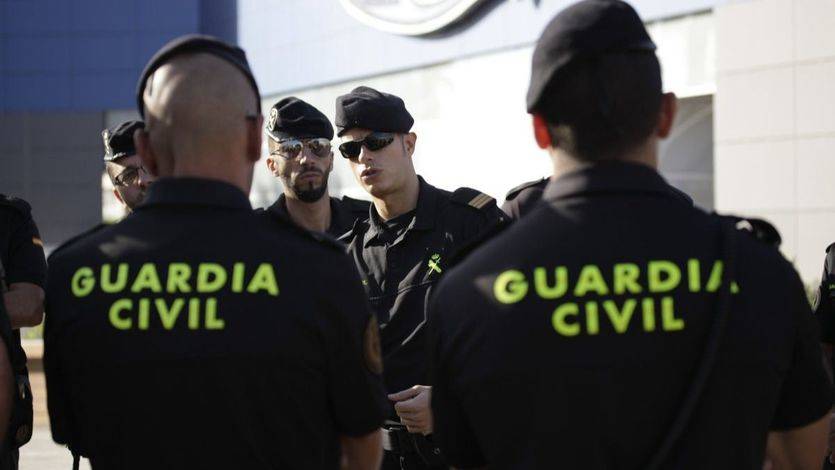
(453, 432)
(825, 300)
(357, 394)
(806, 392)
(26, 261)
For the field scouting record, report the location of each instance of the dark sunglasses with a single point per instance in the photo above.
(373, 141)
(129, 176)
(291, 148)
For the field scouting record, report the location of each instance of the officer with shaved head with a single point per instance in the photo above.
(193, 334)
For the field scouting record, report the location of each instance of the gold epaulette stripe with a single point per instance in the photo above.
(480, 201)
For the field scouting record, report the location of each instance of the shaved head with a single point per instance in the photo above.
(200, 114)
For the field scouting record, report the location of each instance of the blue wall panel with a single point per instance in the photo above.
(87, 54)
(37, 91)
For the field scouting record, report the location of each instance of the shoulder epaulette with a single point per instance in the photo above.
(16, 203)
(356, 205)
(76, 238)
(472, 197)
(541, 183)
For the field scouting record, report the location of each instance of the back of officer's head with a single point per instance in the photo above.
(596, 82)
(202, 119)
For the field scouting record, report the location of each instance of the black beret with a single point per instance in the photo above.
(192, 44)
(587, 29)
(118, 140)
(367, 108)
(294, 118)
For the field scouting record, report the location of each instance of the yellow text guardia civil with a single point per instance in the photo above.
(657, 312)
(132, 310)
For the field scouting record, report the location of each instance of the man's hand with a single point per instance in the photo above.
(413, 408)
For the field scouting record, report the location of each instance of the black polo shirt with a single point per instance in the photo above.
(193, 334)
(344, 212)
(399, 268)
(571, 339)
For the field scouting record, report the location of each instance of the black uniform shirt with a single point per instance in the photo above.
(825, 301)
(21, 248)
(571, 339)
(400, 267)
(523, 198)
(344, 212)
(193, 334)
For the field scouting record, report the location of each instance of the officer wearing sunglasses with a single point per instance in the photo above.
(299, 140)
(401, 250)
(130, 179)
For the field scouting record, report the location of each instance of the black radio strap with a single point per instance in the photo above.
(711, 349)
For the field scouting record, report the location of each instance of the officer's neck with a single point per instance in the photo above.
(399, 202)
(564, 163)
(230, 172)
(314, 216)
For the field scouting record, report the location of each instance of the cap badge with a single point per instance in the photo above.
(273, 119)
(106, 138)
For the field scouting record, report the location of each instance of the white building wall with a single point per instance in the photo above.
(775, 121)
(473, 129)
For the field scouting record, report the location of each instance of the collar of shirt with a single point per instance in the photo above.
(339, 217)
(424, 219)
(279, 207)
(610, 178)
(195, 192)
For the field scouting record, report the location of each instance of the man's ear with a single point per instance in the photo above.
(142, 142)
(666, 114)
(253, 138)
(409, 141)
(271, 165)
(541, 132)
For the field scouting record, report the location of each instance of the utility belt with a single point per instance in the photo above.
(399, 441)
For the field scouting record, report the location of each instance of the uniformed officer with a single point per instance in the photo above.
(404, 246)
(130, 179)
(617, 326)
(299, 140)
(825, 313)
(194, 334)
(22, 281)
